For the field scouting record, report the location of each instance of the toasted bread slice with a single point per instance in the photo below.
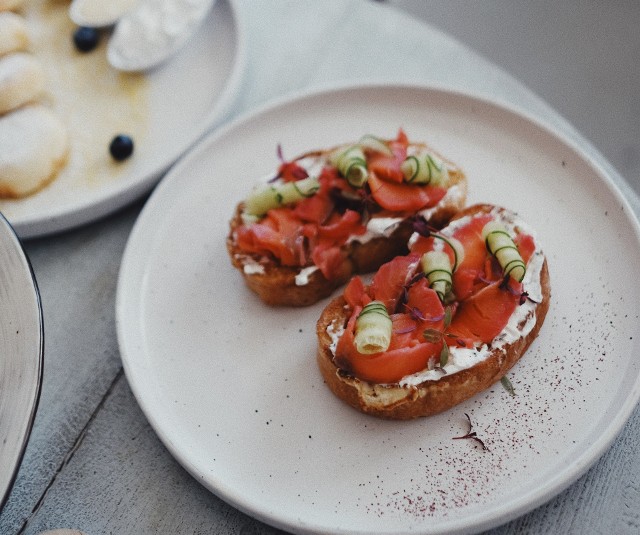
(438, 389)
(387, 236)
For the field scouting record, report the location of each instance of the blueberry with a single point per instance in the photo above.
(121, 147)
(86, 39)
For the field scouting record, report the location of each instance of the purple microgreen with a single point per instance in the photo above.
(504, 284)
(416, 313)
(524, 297)
(296, 171)
(346, 200)
(404, 295)
(420, 225)
(402, 299)
(405, 330)
(416, 278)
(472, 435)
(359, 201)
(484, 279)
(370, 205)
(345, 196)
(507, 286)
(506, 383)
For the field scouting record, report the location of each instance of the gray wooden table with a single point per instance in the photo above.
(93, 462)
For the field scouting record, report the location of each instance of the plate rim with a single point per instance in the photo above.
(25, 432)
(113, 199)
(520, 506)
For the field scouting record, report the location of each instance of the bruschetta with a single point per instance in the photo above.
(440, 324)
(330, 214)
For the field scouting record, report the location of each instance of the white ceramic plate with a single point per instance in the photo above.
(189, 94)
(21, 354)
(231, 386)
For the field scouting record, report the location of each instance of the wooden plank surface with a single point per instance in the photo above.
(95, 464)
(121, 479)
(77, 276)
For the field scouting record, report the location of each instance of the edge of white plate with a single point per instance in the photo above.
(22, 435)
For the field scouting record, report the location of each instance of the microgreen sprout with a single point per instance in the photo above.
(472, 435)
(506, 383)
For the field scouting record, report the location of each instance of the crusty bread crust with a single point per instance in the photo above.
(276, 284)
(397, 402)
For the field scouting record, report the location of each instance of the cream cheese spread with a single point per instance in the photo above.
(251, 267)
(335, 331)
(302, 278)
(377, 227)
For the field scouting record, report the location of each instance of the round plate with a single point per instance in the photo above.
(190, 93)
(231, 385)
(21, 354)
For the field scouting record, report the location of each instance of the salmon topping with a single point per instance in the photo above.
(315, 229)
(477, 310)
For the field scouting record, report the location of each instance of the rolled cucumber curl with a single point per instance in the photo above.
(437, 267)
(425, 169)
(275, 195)
(373, 329)
(501, 245)
(375, 144)
(351, 164)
